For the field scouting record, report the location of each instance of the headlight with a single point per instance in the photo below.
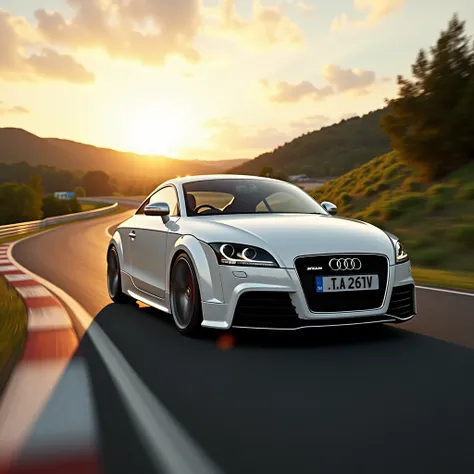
(238, 254)
(400, 252)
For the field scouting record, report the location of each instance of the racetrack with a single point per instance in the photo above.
(362, 400)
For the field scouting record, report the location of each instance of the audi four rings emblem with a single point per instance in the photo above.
(342, 264)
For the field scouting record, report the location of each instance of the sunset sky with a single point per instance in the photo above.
(209, 79)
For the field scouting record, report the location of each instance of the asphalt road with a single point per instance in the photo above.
(363, 400)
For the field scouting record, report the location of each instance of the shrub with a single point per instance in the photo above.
(392, 171)
(466, 193)
(18, 203)
(345, 198)
(79, 191)
(429, 257)
(463, 234)
(370, 191)
(436, 203)
(411, 185)
(75, 205)
(53, 206)
(439, 190)
(399, 205)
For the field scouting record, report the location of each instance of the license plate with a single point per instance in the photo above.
(330, 284)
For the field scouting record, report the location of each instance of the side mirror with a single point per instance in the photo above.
(329, 207)
(158, 209)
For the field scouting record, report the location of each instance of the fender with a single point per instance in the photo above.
(119, 245)
(205, 265)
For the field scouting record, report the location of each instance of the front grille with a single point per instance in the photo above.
(274, 310)
(344, 300)
(265, 309)
(402, 304)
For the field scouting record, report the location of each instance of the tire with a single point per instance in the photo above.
(114, 280)
(185, 297)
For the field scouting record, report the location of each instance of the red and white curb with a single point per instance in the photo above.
(47, 421)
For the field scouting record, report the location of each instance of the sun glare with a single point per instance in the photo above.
(154, 135)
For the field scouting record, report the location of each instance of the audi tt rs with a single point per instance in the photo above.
(258, 253)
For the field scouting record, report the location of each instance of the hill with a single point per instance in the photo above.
(330, 151)
(17, 145)
(434, 220)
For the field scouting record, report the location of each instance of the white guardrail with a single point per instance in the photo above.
(30, 226)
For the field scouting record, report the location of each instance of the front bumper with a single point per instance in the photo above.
(273, 298)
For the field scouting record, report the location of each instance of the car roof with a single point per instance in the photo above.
(206, 177)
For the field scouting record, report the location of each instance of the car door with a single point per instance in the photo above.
(148, 238)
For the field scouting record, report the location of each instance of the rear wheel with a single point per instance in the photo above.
(186, 307)
(114, 280)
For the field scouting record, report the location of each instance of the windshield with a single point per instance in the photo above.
(247, 196)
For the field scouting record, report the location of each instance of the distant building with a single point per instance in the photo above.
(64, 195)
(299, 178)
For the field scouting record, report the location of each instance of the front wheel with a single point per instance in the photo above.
(186, 307)
(114, 280)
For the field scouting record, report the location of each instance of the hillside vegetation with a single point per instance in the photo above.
(423, 191)
(17, 145)
(435, 220)
(331, 151)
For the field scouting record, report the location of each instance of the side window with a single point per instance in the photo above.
(141, 209)
(167, 195)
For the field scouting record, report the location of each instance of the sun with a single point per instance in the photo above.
(154, 135)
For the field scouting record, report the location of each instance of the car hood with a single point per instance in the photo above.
(287, 236)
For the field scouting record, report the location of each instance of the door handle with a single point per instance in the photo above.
(132, 234)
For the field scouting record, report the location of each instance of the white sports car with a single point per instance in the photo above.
(227, 251)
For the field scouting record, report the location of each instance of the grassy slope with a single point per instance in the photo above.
(13, 323)
(435, 221)
(330, 151)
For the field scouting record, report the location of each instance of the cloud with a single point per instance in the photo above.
(376, 10)
(16, 38)
(310, 123)
(305, 7)
(52, 65)
(344, 80)
(6, 109)
(227, 134)
(349, 115)
(285, 92)
(338, 81)
(267, 27)
(146, 31)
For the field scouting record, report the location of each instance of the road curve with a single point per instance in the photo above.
(388, 400)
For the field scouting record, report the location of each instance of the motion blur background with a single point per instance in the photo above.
(368, 104)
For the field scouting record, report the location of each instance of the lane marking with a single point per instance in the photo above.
(46, 399)
(107, 230)
(169, 446)
(18, 277)
(34, 291)
(49, 317)
(445, 290)
(7, 268)
(27, 393)
(67, 424)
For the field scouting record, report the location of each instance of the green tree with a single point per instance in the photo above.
(79, 191)
(266, 171)
(74, 205)
(431, 122)
(52, 206)
(35, 183)
(97, 183)
(18, 203)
